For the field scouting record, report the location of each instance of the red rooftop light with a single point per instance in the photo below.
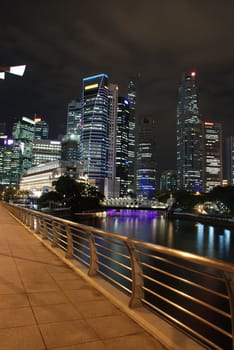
(193, 74)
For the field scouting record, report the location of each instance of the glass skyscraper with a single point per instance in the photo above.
(146, 167)
(74, 118)
(23, 133)
(132, 136)
(188, 136)
(41, 128)
(45, 151)
(230, 160)
(213, 165)
(122, 145)
(112, 113)
(95, 126)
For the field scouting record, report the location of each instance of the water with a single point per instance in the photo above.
(190, 236)
(151, 226)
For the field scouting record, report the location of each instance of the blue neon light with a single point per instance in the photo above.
(126, 102)
(96, 76)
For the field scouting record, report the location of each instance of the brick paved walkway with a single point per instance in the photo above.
(44, 304)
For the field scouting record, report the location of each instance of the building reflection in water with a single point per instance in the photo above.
(151, 226)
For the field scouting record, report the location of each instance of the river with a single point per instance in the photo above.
(212, 241)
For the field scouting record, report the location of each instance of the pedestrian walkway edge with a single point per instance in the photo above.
(169, 336)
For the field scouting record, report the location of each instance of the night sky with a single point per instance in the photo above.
(62, 42)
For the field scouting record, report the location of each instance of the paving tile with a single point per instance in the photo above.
(133, 342)
(55, 313)
(97, 345)
(31, 275)
(64, 276)
(97, 308)
(10, 277)
(86, 293)
(21, 338)
(47, 298)
(69, 285)
(113, 326)
(67, 333)
(16, 317)
(58, 268)
(11, 288)
(27, 264)
(32, 286)
(13, 301)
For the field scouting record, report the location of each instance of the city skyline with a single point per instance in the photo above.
(63, 43)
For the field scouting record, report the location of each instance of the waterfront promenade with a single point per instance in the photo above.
(44, 304)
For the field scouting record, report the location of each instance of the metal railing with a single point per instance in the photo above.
(194, 293)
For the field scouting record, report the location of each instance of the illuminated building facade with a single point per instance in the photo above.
(40, 179)
(41, 128)
(95, 127)
(168, 181)
(188, 136)
(70, 149)
(45, 151)
(132, 136)
(213, 165)
(122, 146)
(146, 167)
(10, 162)
(112, 113)
(23, 133)
(74, 118)
(230, 159)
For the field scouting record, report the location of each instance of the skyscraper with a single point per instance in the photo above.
(74, 118)
(10, 162)
(45, 151)
(168, 181)
(41, 128)
(212, 157)
(132, 136)
(188, 136)
(95, 124)
(112, 128)
(70, 149)
(122, 145)
(230, 159)
(146, 166)
(23, 133)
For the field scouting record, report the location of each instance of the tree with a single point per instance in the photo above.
(77, 195)
(49, 197)
(9, 193)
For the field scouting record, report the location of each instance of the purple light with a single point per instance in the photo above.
(132, 213)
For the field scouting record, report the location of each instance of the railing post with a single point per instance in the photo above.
(55, 235)
(70, 249)
(44, 233)
(229, 280)
(31, 220)
(38, 224)
(27, 219)
(137, 277)
(93, 266)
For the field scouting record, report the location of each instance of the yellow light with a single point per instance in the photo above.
(209, 123)
(92, 86)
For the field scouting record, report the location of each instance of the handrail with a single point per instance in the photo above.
(194, 293)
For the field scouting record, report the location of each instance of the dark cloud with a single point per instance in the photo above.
(63, 41)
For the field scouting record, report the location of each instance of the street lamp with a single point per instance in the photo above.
(16, 70)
